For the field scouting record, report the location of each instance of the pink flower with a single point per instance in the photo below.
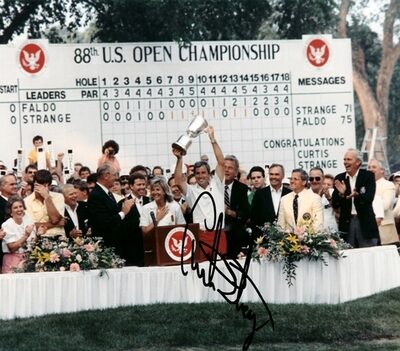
(54, 257)
(66, 253)
(305, 249)
(333, 243)
(89, 247)
(262, 251)
(299, 233)
(74, 267)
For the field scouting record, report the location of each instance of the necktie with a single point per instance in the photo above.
(295, 208)
(226, 196)
(112, 197)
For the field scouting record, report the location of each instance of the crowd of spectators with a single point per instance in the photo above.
(45, 201)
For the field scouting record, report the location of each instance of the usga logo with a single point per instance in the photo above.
(318, 52)
(173, 244)
(32, 58)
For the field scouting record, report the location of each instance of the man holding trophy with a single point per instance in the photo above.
(209, 217)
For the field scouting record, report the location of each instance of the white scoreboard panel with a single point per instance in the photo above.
(289, 102)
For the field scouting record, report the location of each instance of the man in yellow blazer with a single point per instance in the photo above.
(301, 203)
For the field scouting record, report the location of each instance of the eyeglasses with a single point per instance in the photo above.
(31, 172)
(317, 179)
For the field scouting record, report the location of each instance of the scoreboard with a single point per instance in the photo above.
(288, 102)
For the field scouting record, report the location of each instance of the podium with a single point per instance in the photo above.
(163, 245)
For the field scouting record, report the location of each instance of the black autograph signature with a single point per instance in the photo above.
(226, 269)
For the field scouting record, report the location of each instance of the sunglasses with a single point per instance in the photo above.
(315, 178)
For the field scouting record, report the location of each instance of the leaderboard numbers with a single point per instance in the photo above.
(198, 79)
(147, 80)
(148, 98)
(120, 112)
(13, 110)
(243, 78)
(257, 109)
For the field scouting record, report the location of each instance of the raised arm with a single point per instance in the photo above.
(178, 176)
(219, 169)
(54, 215)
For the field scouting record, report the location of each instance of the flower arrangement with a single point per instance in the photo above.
(292, 246)
(47, 254)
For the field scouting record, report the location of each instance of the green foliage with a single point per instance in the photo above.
(190, 20)
(180, 20)
(35, 16)
(362, 36)
(293, 18)
(47, 254)
(303, 242)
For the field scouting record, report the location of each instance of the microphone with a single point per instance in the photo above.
(153, 218)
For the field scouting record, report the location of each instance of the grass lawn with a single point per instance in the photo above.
(367, 324)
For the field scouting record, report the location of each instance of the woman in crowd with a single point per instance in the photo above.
(162, 210)
(109, 150)
(19, 232)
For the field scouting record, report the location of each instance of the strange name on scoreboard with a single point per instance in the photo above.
(288, 102)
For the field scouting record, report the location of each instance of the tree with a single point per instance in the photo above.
(34, 16)
(293, 18)
(179, 20)
(374, 100)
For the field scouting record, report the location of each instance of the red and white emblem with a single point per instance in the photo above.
(173, 244)
(318, 52)
(32, 58)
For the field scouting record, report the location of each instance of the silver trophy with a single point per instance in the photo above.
(195, 127)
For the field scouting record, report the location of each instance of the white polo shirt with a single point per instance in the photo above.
(204, 209)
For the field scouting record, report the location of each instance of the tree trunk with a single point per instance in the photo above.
(374, 107)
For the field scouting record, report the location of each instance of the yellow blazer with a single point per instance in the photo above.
(308, 202)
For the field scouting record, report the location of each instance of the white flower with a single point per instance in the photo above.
(79, 258)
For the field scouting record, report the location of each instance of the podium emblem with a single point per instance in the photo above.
(173, 244)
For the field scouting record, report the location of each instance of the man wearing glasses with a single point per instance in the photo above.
(317, 186)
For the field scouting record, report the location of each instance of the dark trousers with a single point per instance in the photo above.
(355, 237)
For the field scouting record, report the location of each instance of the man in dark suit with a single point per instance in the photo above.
(353, 195)
(8, 188)
(237, 208)
(132, 238)
(76, 213)
(265, 205)
(105, 215)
